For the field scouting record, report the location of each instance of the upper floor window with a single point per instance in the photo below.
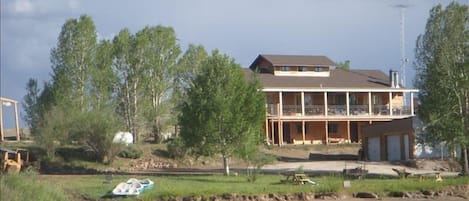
(317, 69)
(284, 68)
(302, 68)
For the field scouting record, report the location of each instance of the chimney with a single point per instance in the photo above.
(393, 79)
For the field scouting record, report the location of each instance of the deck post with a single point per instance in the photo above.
(325, 103)
(302, 103)
(280, 97)
(369, 103)
(303, 130)
(273, 131)
(326, 125)
(412, 103)
(390, 103)
(347, 100)
(2, 135)
(348, 132)
(266, 128)
(17, 125)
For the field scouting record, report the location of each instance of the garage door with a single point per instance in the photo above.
(393, 147)
(373, 149)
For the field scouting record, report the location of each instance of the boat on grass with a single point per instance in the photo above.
(133, 187)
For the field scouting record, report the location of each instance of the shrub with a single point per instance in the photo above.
(131, 151)
(176, 148)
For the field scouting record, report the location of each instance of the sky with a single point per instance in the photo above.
(366, 32)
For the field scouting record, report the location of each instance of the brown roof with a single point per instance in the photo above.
(294, 60)
(339, 78)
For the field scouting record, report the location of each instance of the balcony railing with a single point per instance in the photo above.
(336, 110)
(403, 110)
(380, 110)
(292, 110)
(358, 110)
(314, 110)
(272, 109)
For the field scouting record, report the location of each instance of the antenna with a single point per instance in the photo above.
(404, 59)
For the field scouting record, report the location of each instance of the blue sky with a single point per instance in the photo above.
(366, 32)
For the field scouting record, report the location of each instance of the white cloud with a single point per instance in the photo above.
(23, 7)
(38, 9)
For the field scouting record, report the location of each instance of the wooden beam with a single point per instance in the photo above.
(326, 123)
(302, 103)
(369, 103)
(390, 103)
(325, 103)
(348, 132)
(347, 100)
(412, 103)
(17, 125)
(266, 128)
(303, 130)
(273, 131)
(2, 135)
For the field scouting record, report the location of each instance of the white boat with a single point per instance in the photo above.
(128, 189)
(146, 183)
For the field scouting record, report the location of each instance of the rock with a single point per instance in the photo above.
(396, 194)
(366, 195)
(427, 192)
(408, 195)
(228, 196)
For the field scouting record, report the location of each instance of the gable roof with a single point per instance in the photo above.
(356, 79)
(293, 60)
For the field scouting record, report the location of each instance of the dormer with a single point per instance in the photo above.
(293, 65)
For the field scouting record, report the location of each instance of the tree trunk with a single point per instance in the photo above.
(225, 165)
(465, 161)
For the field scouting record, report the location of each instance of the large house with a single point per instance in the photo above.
(310, 101)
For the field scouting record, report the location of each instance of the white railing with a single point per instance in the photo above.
(314, 110)
(291, 110)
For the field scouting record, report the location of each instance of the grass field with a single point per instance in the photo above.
(93, 186)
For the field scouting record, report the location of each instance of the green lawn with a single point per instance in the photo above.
(165, 186)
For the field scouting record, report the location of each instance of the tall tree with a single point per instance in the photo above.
(103, 78)
(189, 65)
(161, 52)
(30, 102)
(222, 111)
(72, 59)
(442, 61)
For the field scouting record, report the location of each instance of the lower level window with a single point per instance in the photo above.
(332, 128)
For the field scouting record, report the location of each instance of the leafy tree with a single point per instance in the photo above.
(30, 104)
(96, 130)
(71, 61)
(189, 66)
(130, 76)
(160, 52)
(345, 65)
(442, 61)
(53, 130)
(222, 110)
(103, 78)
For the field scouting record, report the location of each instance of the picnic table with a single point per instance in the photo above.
(296, 178)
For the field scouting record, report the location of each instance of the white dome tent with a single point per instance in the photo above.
(123, 137)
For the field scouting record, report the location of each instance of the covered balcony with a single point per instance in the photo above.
(337, 104)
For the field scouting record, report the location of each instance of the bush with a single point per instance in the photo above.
(131, 151)
(176, 148)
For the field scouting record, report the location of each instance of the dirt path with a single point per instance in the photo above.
(374, 168)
